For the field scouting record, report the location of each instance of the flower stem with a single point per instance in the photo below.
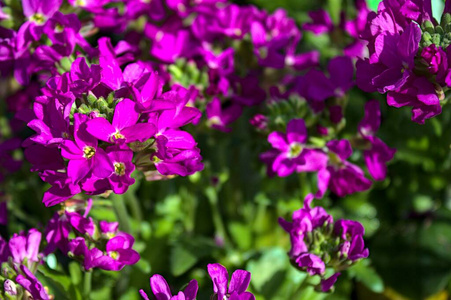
(87, 284)
(121, 212)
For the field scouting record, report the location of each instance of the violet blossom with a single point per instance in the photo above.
(161, 290)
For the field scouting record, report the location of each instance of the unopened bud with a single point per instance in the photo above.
(84, 109)
(10, 287)
(91, 98)
(428, 26)
(446, 19)
(439, 30)
(436, 39)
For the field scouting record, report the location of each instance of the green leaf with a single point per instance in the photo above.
(367, 275)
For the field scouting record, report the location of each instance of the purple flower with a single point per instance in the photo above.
(124, 127)
(108, 227)
(435, 59)
(32, 284)
(290, 147)
(218, 117)
(37, 13)
(344, 178)
(238, 284)
(327, 284)
(84, 155)
(352, 233)
(316, 87)
(392, 61)
(57, 234)
(118, 253)
(313, 264)
(321, 22)
(176, 157)
(379, 154)
(161, 290)
(121, 157)
(419, 93)
(23, 247)
(305, 220)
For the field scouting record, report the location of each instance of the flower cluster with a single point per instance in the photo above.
(293, 153)
(408, 57)
(99, 245)
(236, 289)
(92, 121)
(19, 259)
(102, 108)
(317, 243)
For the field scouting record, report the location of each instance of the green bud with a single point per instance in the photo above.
(326, 257)
(436, 39)
(65, 63)
(84, 109)
(102, 105)
(110, 98)
(428, 27)
(427, 36)
(439, 30)
(446, 19)
(92, 99)
(175, 71)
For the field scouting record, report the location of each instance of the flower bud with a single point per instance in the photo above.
(10, 288)
(428, 27)
(446, 19)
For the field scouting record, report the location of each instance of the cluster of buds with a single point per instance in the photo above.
(317, 243)
(19, 260)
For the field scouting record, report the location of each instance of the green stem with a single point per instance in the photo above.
(216, 215)
(87, 283)
(134, 206)
(121, 212)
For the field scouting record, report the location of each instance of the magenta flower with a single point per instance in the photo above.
(344, 177)
(118, 253)
(237, 287)
(353, 247)
(37, 12)
(289, 146)
(219, 118)
(305, 220)
(32, 284)
(313, 264)
(121, 157)
(84, 155)
(23, 247)
(321, 22)
(124, 127)
(327, 284)
(392, 62)
(177, 157)
(420, 94)
(161, 290)
(379, 154)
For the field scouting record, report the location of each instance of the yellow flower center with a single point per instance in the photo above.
(295, 150)
(38, 18)
(89, 152)
(113, 255)
(117, 136)
(119, 168)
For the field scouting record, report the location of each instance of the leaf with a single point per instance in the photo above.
(241, 235)
(367, 275)
(187, 252)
